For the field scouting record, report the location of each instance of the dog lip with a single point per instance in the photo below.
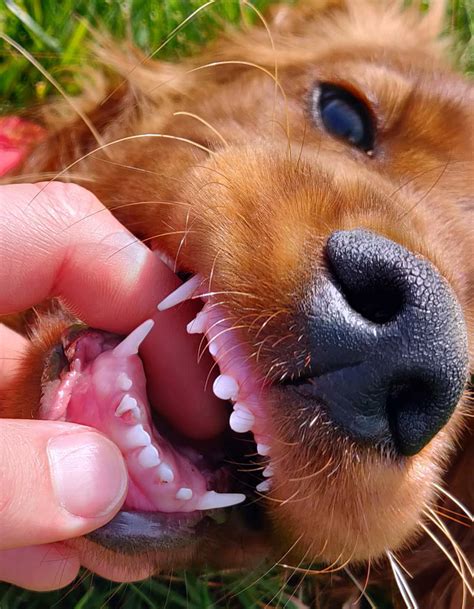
(308, 376)
(131, 532)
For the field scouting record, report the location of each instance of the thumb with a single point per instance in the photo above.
(43, 568)
(57, 481)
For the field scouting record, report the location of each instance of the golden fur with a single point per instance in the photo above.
(253, 214)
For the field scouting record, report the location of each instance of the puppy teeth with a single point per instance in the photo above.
(264, 486)
(241, 420)
(127, 404)
(225, 387)
(263, 449)
(137, 437)
(184, 494)
(213, 348)
(129, 346)
(212, 500)
(268, 471)
(149, 457)
(184, 292)
(197, 325)
(124, 383)
(165, 473)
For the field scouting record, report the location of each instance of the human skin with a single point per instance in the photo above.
(50, 234)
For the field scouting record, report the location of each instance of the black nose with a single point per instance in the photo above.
(388, 340)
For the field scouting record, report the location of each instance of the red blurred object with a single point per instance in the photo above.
(17, 136)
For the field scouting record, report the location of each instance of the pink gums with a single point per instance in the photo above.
(91, 391)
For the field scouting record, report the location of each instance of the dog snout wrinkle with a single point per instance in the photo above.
(388, 342)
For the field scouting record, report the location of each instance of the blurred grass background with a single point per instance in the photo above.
(55, 32)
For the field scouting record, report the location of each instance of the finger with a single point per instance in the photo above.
(42, 568)
(57, 481)
(12, 347)
(61, 241)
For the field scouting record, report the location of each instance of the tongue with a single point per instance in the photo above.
(105, 388)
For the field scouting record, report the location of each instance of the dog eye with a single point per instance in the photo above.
(344, 116)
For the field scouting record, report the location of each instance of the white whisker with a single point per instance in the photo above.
(443, 548)
(460, 505)
(402, 583)
(445, 551)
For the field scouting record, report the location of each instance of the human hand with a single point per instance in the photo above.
(60, 480)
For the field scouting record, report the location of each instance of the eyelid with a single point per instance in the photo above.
(355, 102)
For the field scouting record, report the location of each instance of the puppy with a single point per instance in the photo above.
(318, 187)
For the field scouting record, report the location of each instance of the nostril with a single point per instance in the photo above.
(367, 271)
(376, 301)
(407, 394)
(398, 381)
(409, 400)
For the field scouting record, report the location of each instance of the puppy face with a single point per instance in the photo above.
(323, 216)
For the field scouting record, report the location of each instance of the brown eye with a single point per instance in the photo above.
(344, 116)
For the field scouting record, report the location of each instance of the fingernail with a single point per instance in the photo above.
(88, 474)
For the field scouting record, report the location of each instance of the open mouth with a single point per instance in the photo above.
(176, 485)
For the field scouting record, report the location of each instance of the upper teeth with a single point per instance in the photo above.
(198, 324)
(264, 486)
(263, 449)
(268, 471)
(225, 387)
(241, 420)
(213, 348)
(184, 292)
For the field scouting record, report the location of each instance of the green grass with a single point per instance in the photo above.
(55, 32)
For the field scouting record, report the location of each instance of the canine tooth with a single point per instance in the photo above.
(264, 486)
(127, 403)
(165, 473)
(212, 500)
(268, 471)
(184, 292)
(241, 420)
(197, 325)
(184, 494)
(213, 349)
(124, 383)
(225, 387)
(149, 457)
(263, 449)
(137, 437)
(129, 346)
